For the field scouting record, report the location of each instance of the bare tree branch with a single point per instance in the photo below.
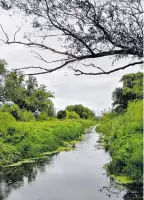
(16, 33)
(86, 29)
(46, 71)
(48, 62)
(79, 72)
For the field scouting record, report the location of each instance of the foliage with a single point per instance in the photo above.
(32, 139)
(61, 114)
(5, 116)
(123, 139)
(98, 29)
(3, 65)
(26, 93)
(42, 116)
(27, 116)
(82, 111)
(132, 89)
(72, 115)
(3, 72)
(12, 109)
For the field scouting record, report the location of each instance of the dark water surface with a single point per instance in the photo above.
(72, 175)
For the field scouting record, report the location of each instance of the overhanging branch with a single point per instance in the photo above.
(79, 72)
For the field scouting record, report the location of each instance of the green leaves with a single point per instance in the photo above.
(123, 134)
(132, 90)
(27, 94)
(82, 111)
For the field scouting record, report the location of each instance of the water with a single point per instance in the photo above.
(72, 175)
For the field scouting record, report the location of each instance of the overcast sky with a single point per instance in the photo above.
(92, 91)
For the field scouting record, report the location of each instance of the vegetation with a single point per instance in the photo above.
(28, 126)
(72, 115)
(23, 140)
(98, 29)
(82, 111)
(132, 89)
(61, 114)
(123, 135)
(76, 112)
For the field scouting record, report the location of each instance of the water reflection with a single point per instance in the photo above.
(74, 164)
(13, 178)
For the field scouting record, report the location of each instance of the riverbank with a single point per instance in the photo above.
(122, 137)
(23, 140)
(77, 174)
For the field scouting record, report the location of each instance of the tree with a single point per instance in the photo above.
(27, 94)
(14, 89)
(3, 72)
(131, 90)
(61, 114)
(51, 109)
(99, 29)
(82, 111)
(72, 115)
(31, 84)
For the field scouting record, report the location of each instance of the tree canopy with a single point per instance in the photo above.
(26, 93)
(82, 111)
(131, 90)
(83, 30)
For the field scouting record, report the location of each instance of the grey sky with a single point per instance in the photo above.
(92, 91)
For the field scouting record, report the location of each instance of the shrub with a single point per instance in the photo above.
(123, 138)
(5, 116)
(27, 116)
(61, 114)
(12, 109)
(42, 116)
(72, 115)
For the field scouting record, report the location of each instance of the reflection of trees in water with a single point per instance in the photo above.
(13, 177)
(133, 191)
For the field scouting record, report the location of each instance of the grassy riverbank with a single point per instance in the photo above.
(22, 140)
(122, 137)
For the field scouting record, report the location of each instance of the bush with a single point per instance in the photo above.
(27, 117)
(61, 114)
(5, 116)
(123, 138)
(42, 116)
(72, 115)
(12, 109)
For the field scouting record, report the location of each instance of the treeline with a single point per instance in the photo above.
(76, 112)
(26, 100)
(122, 129)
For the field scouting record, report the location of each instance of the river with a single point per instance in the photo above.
(72, 175)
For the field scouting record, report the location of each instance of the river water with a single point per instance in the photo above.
(72, 175)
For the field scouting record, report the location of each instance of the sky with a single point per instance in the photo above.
(91, 91)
